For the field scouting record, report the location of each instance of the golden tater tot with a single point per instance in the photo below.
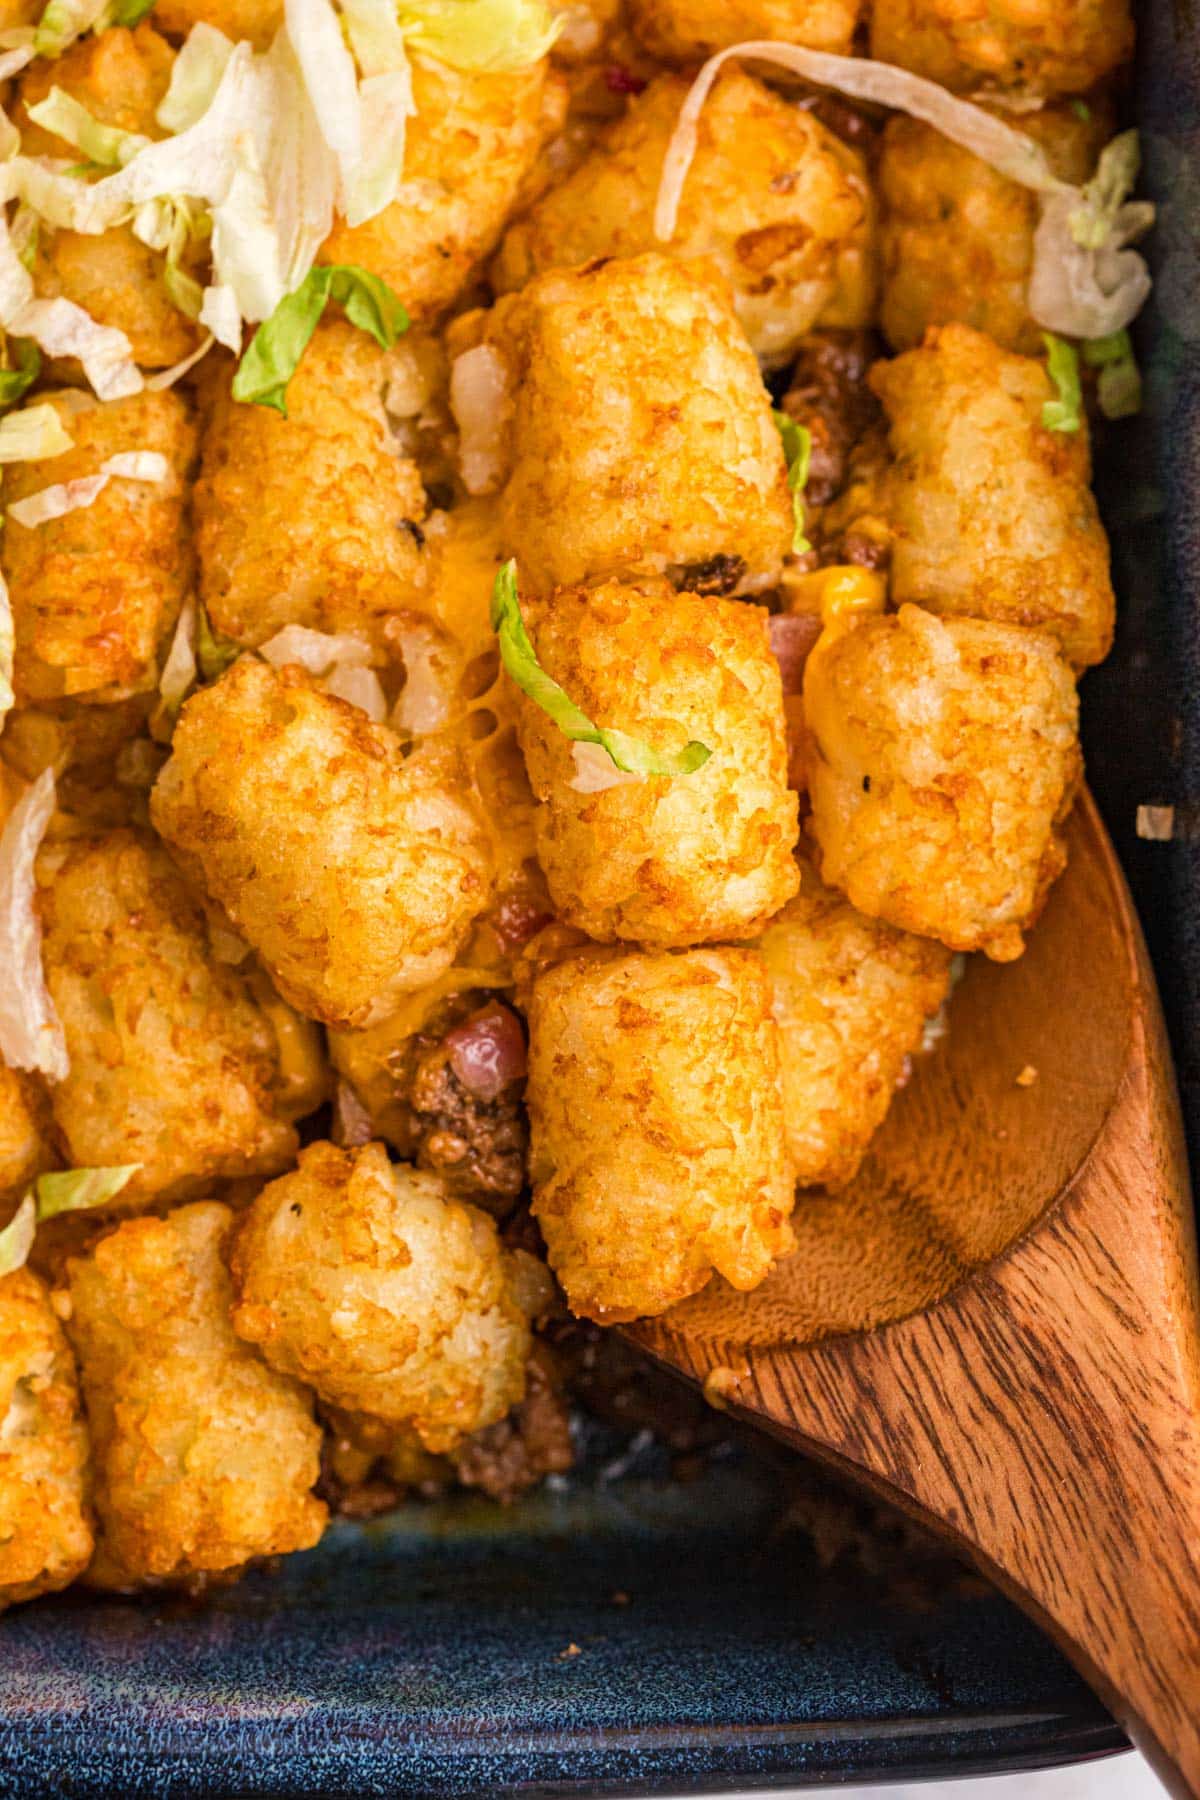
(657, 1135)
(96, 593)
(26, 1146)
(684, 31)
(1036, 46)
(313, 519)
(173, 1065)
(121, 77)
(368, 1282)
(45, 1533)
(957, 238)
(473, 139)
(249, 21)
(203, 1457)
(781, 206)
(943, 756)
(992, 514)
(850, 996)
(640, 430)
(669, 860)
(353, 872)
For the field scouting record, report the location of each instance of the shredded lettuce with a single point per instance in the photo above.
(214, 651)
(375, 35)
(493, 35)
(8, 646)
(63, 21)
(178, 672)
(73, 1190)
(196, 75)
(274, 352)
(631, 755)
(32, 434)
(1119, 385)
(797, 450)
(70, 496)
(14, 382)
(1062, 366)
(16, 1240)
(31, 1035)
(67, 118)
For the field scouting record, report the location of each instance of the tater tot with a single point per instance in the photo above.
(669, 860)
(249, 21)
(992, 514)
(684, 31)
(121, 77)
(943, 756)
(203, 1457)
(173, 1064)
(45, 1533)
(96, 593)
(1036, 46)
(472, 141)
(26, 1147)
(313, 519)
(640, 430)
(354, 872)
(780, 205)
(368, 1282)
(657, 1134)
(957, 238)
(850, 996)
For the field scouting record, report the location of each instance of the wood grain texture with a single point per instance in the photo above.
(1038, 1404)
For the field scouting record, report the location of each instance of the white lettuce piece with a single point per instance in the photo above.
(61, 328)
(195, 77)
(31, 1034)
(65, 497)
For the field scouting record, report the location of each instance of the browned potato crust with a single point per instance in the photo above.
(255, 21)
(204, 1458)
(993, 515)
(944, 755)
(640, 429)
(1037, 46)
(684, 31)
(657, 1135)
(666, 861)
(308, 520)
(173, 1064)
(121, 77)
(45, 1533)
(781, 206)
(473, 140)
(96, 593)
(957, 238)
(851, 996)
(26, 1146)
(368, 1282)
(353, 872)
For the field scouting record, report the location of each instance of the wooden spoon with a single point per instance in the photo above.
(997, 1326)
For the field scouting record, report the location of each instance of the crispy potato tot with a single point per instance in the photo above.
(365, 1280)
(45, 1529)
(684, 31)
(657, 1135)
(851, 996)
(354, 873)
(203, 1457)
(313, 519)
(252, 21)
(781, 206)
(640, 432)
(957, 238)
(474, 138)
(173, 1063)
(120, 76)
(992, 514)
(943, 757)
(96, 593)
(26, 1133)
(669, 860)
(1035, 46)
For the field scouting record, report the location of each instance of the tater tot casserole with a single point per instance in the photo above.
(547, 554)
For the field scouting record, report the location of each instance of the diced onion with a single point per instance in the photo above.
(31, 1035)
(316, 651)
(358, 687)
(595, 770)
(481, 402)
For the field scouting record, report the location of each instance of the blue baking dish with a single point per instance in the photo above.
(619, 1631)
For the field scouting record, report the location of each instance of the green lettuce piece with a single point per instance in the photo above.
(13, 382)
(1119, 387)
(495, 35)
(16, 1240)
(274, 352)
(71, 1190)
(797, 450)
(1062, 365)
(130, 12)
(104, 146)
(633, 756)
(214, 653)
